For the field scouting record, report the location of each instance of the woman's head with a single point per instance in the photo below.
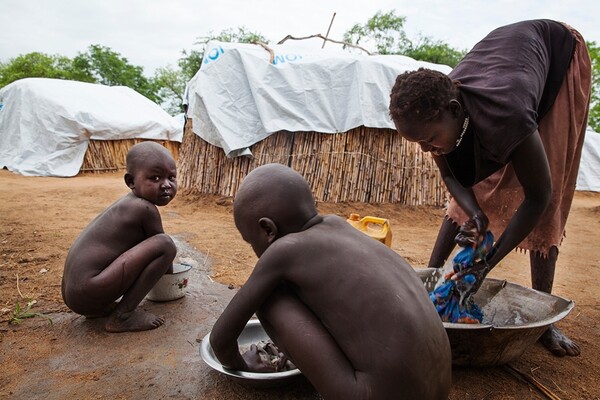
(425, 109)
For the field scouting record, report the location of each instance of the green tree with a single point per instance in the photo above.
(170, 82)
(110, 68)
(594, 119)
(190, 63)
(239, 35)
(435, 51)
(386, 30)
(40, 65)
(171, 85)
(98, 65)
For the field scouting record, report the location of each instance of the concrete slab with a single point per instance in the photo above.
(83, 361)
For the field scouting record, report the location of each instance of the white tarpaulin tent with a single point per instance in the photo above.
(239, 97)
(46, 124)
(589, 168)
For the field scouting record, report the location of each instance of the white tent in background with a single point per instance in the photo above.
(46, 124)
(589, 169)
(244, 93)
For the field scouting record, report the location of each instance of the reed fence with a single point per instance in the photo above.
(109, 155)
(362, 165)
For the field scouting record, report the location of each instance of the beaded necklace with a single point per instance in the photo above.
(464, 130)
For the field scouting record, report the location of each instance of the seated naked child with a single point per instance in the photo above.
(124, 250)
(348, 311)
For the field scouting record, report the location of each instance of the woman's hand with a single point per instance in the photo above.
(469, 280)
(472, 232)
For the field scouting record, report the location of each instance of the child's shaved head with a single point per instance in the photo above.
(277, 192)
(142, 152)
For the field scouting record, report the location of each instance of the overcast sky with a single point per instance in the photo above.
(152, 33)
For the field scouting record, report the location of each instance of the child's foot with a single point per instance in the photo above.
(136, 320)
(560, 345)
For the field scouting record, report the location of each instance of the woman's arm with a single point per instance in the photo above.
(462, 195)
(531, 167)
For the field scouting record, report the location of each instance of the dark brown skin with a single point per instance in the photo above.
(124, 250)
(531, 167)
(348, 311)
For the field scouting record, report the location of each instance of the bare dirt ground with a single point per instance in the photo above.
(74, 358)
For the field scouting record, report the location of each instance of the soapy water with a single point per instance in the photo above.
(502, 305)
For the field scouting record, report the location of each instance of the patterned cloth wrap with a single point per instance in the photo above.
(447, 294)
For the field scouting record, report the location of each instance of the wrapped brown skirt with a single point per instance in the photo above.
(562, 131)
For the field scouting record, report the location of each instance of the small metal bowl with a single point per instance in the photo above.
(171, 286)
(514, 318)
(252, 334)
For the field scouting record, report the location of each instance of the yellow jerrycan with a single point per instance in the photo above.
(378, 228)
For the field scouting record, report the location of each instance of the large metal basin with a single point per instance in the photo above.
(252, 334)
(514, 319)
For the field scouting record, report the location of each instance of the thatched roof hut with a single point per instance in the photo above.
(325, 114)
(52, 127)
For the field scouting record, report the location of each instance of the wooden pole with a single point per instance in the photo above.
(328, 29)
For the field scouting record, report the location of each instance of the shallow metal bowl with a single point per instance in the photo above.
(252, 334)
(514, 319)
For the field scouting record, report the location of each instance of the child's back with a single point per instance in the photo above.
(114, 231)
(373, 304)
(349, 311)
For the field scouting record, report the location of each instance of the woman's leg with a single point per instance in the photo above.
(542, 279)
(444, 244)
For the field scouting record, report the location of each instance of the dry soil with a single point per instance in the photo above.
(74, 358)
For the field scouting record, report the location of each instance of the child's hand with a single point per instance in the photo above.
(258, 360)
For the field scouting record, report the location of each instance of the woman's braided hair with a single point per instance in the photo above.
(421, 95)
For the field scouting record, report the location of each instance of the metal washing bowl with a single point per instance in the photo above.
(514, 319)
(252, 334)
